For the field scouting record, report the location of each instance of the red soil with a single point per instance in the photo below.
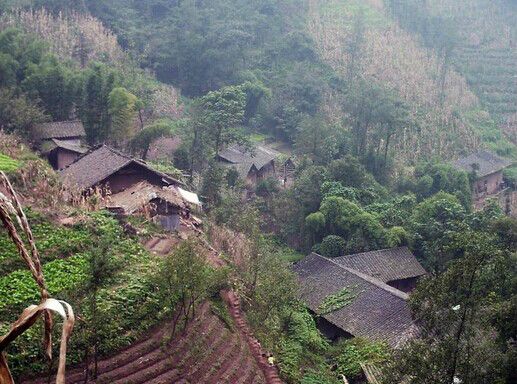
(206, 352)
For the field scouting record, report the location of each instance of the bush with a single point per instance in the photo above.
(315, 222)
(349, 355)
(332, 246)
(397, 237)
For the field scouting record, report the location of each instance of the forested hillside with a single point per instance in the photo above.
(225, 140)
(480, 41)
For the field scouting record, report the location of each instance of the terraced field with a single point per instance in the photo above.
(492, 75)
(207, 352)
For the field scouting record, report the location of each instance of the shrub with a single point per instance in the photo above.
(332, 246)
(349, 355)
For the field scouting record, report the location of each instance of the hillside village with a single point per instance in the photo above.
(290, 192)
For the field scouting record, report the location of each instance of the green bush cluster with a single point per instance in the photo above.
(337, 301)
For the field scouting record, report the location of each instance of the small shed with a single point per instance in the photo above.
(61, 153)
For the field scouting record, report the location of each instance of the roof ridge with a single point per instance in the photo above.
(369, 279)
(93, 149)
(376, 250)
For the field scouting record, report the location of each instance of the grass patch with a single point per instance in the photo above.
(219, 308)
(8, 164)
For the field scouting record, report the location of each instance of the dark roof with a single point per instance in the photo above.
(484, 162)
(50, 145)
(377, 312)
(59, 130)
(98, 164)
(385, 265)
(244, 159)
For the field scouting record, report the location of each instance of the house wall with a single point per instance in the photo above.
(130, 175)
(266, 171)
(488, 185)
(64, 158)
(404, 285)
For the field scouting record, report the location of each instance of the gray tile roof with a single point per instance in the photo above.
(377, 311)
(485, 163)
(244, 159)
(59, 130)
(385, 265)
(69, 146)
(98, 164)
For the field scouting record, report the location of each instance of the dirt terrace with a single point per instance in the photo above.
(207, 352)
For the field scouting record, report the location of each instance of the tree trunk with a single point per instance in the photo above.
(87, 364)
(386, 147)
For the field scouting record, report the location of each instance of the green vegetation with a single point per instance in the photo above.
(372, 104)
(336, 301)
(123, 313)
(53, 242)
(7, 164)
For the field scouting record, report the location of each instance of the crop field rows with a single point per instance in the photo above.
(206, 352)
(492, 74)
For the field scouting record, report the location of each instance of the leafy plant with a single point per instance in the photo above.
(337, 301)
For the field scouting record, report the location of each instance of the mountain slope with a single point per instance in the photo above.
(483, 35)
(393, 57)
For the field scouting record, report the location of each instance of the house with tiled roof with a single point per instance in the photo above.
(487, 171)
(397, 267)
(373, 309)
(130, 186)
(60, 141)
(72, 131)
(255, 164)
(106, 167)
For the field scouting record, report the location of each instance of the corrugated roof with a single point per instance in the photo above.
(377, 311)
(385, 265)
(59, 130)
(98, 164)
(483, 162)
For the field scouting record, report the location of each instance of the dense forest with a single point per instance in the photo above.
(372, 102)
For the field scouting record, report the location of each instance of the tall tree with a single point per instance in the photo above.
(458, 343)
(143, 139)
(122, 110)
(98, 84)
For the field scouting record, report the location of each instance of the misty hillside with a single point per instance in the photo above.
(273, 191)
